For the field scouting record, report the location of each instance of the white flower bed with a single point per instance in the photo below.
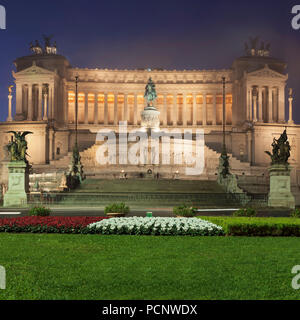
(156, 226)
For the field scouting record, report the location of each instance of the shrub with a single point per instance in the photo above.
(117, 208)
(246, 212)
(257, 227)
(39, 212)
(185, 211)
(295, 213)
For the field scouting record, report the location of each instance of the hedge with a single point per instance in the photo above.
(258, 227)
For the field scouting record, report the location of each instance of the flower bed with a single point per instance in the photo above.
(48, 224)
(156, 226)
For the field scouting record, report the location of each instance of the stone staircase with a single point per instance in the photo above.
(141, 193)
(211, 163)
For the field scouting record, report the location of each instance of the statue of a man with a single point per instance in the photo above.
(150, 93)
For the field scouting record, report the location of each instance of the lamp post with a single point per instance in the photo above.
(76, 174)
(76, 112)
(224, 158)
(224, 115)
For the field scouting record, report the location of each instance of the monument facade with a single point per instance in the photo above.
(186, 99)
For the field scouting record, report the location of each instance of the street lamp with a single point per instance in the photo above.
(224, 158)
(224, 115)
(76, 111)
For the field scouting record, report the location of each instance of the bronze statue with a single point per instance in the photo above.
(247, 51)
(47, 40)
(254, 42)
(17, 148)
(280, 150)
(10, 90)
(150, 93)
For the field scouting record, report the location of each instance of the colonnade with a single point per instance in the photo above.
(35, 101)
(265, 104)
(176, 109)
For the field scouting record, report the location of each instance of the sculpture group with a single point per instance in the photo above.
(48, 48)
(17, 148)
(253, 50)
(18, 171)
(280, 150)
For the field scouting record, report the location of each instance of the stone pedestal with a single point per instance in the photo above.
(280, 187)
(18, 185)
(150, 118)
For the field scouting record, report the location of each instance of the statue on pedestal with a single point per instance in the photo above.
(18, 168)
(17, 148)
(280, 150)
(280, 194)
(150, 115)
(150, 93)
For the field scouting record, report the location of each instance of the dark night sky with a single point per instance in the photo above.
(189, 34)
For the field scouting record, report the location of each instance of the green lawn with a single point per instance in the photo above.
(48, 266)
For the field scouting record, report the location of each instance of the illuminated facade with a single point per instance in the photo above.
(255, 107)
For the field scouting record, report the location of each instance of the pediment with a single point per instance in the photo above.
(35, 70)
(266, 72)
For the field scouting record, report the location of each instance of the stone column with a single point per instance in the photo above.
(86, 108)
(281, 104)
(270, 105)
(214, 121)
(165, 111)
(19, 101)
(9, 118)
(66, 102)
(249, 145)
(105, 109)
(250, 104)
(126, 107)
(116, 109)
(175, 111)
(260, 104)
(291, 107)
(194, 109)
(51, 148)
(255, 104)
(45, 118)
(135, 110)
(204, 122)
(96, 109)
(30, 104)
(40, 103)
(51, 101)
(184, 110)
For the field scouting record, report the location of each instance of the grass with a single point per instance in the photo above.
(49, 266)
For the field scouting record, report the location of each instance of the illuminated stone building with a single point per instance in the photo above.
(255, 108)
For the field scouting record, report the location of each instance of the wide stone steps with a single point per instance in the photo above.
(140, 199)
(211, 161)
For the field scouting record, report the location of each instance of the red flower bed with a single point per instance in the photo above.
(48, 224)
